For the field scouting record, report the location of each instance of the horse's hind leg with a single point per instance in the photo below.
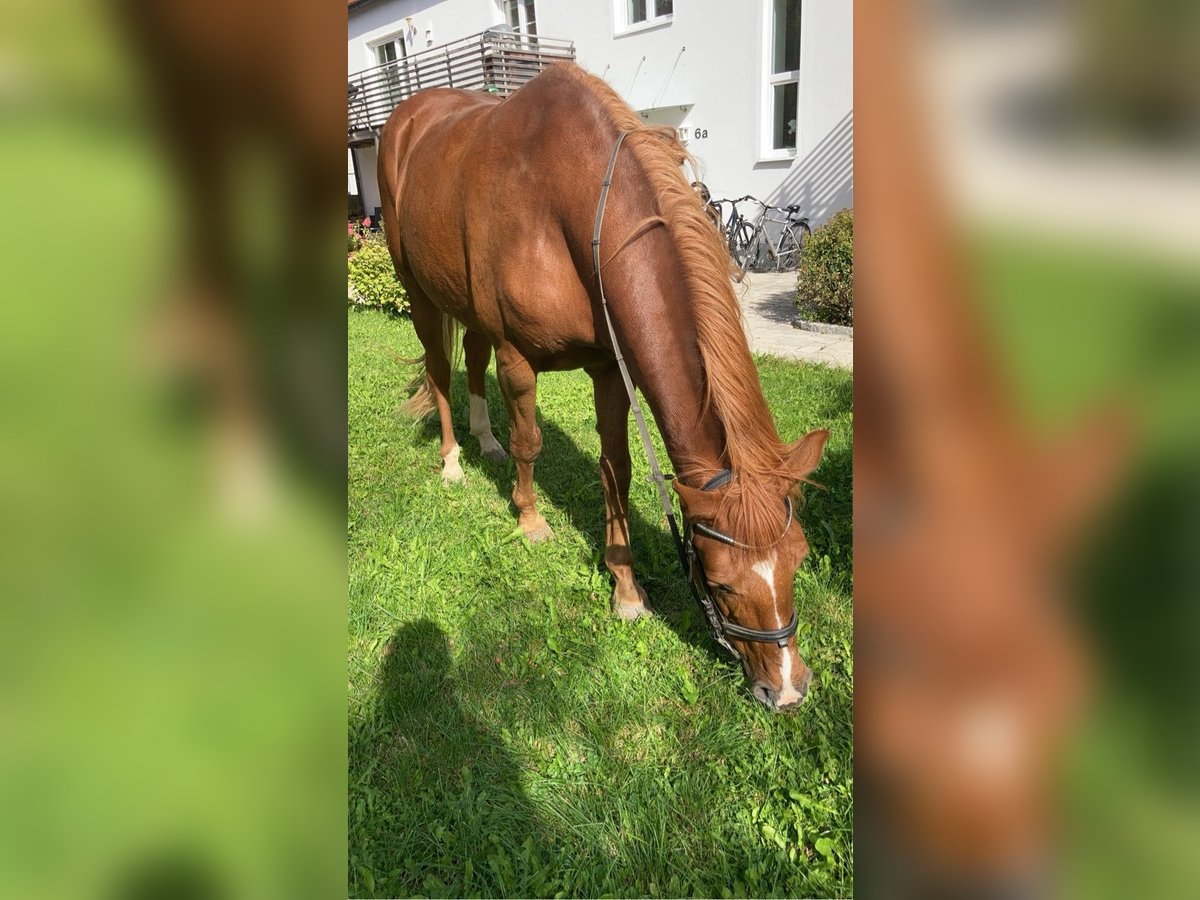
(518, 382)
(478, 352)
(612, 424)
(436, 332)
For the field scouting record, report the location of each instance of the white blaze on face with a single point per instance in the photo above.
(991, 742)
(765, 569)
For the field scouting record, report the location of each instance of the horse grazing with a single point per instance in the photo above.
(488, 207)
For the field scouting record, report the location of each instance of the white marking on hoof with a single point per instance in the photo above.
(451, 470)
(245, 488)
(481, 427)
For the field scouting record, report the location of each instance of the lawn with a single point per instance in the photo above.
(508, 736)
(1083, 327)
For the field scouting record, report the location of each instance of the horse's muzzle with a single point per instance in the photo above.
(780, 700)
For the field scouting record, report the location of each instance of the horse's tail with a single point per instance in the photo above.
(420, 403)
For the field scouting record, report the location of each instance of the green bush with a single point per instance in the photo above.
(372, 281)
(825, 288)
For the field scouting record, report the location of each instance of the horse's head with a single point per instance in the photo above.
(749, 547)
(970, 669)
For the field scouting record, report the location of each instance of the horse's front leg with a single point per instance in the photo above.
(612, 424)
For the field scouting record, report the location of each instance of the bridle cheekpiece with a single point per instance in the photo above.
(722, 629)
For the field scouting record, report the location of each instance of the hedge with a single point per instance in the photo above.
(825, 286)
(372, 278)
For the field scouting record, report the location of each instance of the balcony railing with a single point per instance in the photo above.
(498, 62)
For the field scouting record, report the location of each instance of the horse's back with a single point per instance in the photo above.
(438, 110)
(421, 178)
(475, 190)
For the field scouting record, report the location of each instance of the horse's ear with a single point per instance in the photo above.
(697, 505)
(805, 455)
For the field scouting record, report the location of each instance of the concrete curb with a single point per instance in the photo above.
(822, 327)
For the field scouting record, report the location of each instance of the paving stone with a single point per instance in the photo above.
(768, 310)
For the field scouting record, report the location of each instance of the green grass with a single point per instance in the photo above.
(1082, 327)
(508, 736)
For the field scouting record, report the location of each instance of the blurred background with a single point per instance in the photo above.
(172, 706)
(171, 495)
(1029, 281)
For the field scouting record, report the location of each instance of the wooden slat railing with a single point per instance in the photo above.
(495, 61)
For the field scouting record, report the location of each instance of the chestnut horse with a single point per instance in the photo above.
(488, 207)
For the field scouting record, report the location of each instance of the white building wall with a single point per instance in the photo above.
(432, 24)
(367, 160)
(703, 71)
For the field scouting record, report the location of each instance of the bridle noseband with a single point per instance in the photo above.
(722, 629)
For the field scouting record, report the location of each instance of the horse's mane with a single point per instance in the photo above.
(753, 449)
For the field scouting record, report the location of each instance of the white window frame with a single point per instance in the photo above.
(400, 37)
(622, 25)
(769, 80)
(522, 17)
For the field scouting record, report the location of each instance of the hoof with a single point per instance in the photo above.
(495, 454)
(631, 613)
(630, 605)
(537, 535)
(537, 530)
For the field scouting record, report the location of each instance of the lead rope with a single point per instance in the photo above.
(656, 475)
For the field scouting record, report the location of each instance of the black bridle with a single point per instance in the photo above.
(702, 591)
(702, 588)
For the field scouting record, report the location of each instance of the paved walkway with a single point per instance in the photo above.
(767, 305)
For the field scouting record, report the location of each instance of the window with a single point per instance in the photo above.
(641, 12)
(783, 75)
(390, 51)
(521, 16)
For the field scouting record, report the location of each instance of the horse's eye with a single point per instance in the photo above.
(720, 588)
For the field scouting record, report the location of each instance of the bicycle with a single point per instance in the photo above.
(737, 231)
(785, 253)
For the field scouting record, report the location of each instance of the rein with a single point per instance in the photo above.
(720, 627)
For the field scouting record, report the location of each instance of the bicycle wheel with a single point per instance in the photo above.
(803, 233)
(791, 245)
(788, 257)
(752, 256)
(739, 243)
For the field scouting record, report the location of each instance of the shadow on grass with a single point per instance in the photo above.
(826, 514)
(432, 790)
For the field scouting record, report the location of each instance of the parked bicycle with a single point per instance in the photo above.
(737, 230)
(776, 239)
